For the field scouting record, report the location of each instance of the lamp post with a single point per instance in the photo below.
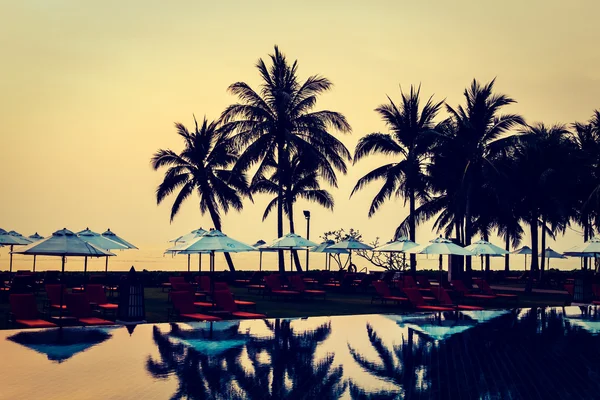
(307, 216)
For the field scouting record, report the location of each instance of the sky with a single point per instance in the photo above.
(92, 89)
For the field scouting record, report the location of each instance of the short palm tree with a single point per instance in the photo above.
(410, 139)
(278, 122)
(204, 167)
(302, 182)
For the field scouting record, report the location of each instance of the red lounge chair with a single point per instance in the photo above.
(297, 283)
(97, 296)
(224, 300)
(53, 293)
(273, 287)
(384, 294)
(203, 282)
(460, 287)
(486, 289)
(570, 288)
(409, 282)
(444, 299)
(79, 307)
(172, 279)
(24, 311)
(222, 286)
(187, 287)
(184, 306)
(417, 301)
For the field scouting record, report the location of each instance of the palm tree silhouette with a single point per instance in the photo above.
(203, 166)
(276, 123)
(302, 182)
(410, 140)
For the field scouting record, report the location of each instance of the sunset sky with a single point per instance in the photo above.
(91, 89)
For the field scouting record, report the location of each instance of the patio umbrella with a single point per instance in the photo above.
(325, 247)
(399, 245)
(116, 238)
(12, 239)
(34, 238)
(101, 242)
(180, 243)
(216, 241)
(61, 244)
(262, 246)
(290, 242)
(484, 248)
(432, 326)
(525, 250)
(61, 344)
(440, 246)
(351, 244)
(591, 248)
(549, 253)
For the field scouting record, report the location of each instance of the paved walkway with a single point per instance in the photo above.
(520, 289)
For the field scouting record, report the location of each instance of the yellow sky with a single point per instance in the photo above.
(91, 89)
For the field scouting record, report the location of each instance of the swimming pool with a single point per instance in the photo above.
(498, 354)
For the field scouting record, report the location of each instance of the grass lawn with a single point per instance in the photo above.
(336, 304)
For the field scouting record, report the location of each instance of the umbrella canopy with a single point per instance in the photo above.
(483, 248)
(188, 237)
(61, 344)
(350, 244)
(115, 238)
(526, 250)
(100, 241)
(217, 241)
(432, 326)
(552, 254)
(35, 237)
(591, 247)
(13, 239)
(261, 246)
(325, 247)
(440, 246)
(291, 241)
(401, 245)
(63, 243)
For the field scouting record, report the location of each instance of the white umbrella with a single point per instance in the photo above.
(34, 238)
(525, 250)
(485, 248)
(591, 248)
(101, 242)
(61, 244)
(399, 245)
(549, 253)
(440, 246)
(115, 238)
(12, 239)
(351, 244)
(290, 242)
(325, 247)
(261, 246)
(180, 245)
(216, 241)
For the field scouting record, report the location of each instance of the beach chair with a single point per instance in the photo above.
(486, 289)
(225, 301)
(79, 307)
(345, 284)
(416, 300)
(188, 287)
(24, 312)
(461, 289)
(273, 288)
(203, 282)
(53, 293)
(384, 294)
(297, 283)
(97, 296)
(172, 279)
(184, 307)
(444, 300)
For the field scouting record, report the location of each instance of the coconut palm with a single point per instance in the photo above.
(302, 182)
(410, 139)
(464, 153)
(204, 167)
(277, 122)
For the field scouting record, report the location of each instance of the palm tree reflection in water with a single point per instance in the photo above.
(283, 365)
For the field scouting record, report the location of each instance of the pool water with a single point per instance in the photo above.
(550, 353)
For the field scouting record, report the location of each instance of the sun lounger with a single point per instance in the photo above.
(460, 288)
(384, 294)
(97, 296)
(224, 300)
(184, 307)
(273, 288)
(297, 284)
(188, 287)
(53, 293)
(23, 311)
(416, 300)
(486, 289)
(79, 307)
(444, 300)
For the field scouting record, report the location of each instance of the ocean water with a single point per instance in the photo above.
(154, 259)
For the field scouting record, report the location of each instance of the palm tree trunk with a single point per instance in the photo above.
(586, 237)
(487, 259)
(412, 228)
(293, 230)
(281, 158)
(506, 257)
(543, 260)
(533, 223)
(468, 231)
(217, 224)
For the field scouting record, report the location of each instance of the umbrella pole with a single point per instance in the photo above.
(11, 250)
(189, 255)
(199, 262)
(260, 260)
(84, 266)
(481, 262)
(106, 265)
(441, 285)
(291, 261)
(34, 262)
(212, 278)
(62, 289)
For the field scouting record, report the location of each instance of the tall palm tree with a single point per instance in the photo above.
(410, 140)
(302, 182)
(204, 167)
(278, 121)
(465, 152)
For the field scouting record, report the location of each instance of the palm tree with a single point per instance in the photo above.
(203, 166)
(464, 152)
(278, 122)
(302, 182)
(410, 140)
